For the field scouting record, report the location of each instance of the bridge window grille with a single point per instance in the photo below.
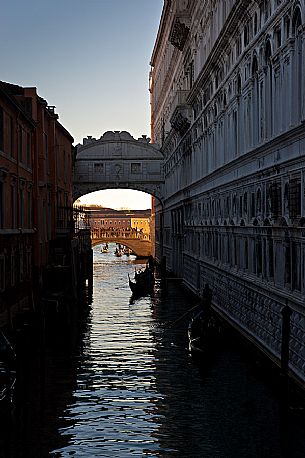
(98, 167)
(135, 167)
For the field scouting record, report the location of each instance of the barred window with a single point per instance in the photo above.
(294, 198)
(135, 167)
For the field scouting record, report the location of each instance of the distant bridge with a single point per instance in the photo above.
(141, 247)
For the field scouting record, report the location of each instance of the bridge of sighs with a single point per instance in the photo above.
(117, 160)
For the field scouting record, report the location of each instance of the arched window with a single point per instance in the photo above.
(258, 201)
(234, 205)
(287, 27)
(246, 35)
(255, 27)
(245, 202)
(269, 90)
(268, 52)
(238, 84)
(297, 65)
(238, 46)
(254, 65)
(296, 22)
(224, 100)
(255, 101)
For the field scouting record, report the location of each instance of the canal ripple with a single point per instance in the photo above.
(122, 383)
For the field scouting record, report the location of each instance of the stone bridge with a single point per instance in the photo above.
(142, 248)
(118, 161)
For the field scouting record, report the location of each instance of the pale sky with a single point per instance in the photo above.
(118, 198)
(89, 58)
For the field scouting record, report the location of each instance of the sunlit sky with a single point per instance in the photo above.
(89, 58)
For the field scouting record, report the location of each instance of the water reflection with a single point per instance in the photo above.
(119, 381)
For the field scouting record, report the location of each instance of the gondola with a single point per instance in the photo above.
(202, 331)
(143, 283)
(118, 253)
(196, 332)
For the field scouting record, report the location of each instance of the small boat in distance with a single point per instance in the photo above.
(105, 249)
(118, 252)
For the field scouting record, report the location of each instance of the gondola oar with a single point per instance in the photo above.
(182, 316)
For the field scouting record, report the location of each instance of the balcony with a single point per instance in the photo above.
(181, 113)
(179, 33)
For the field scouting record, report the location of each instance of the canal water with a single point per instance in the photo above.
(117, 380)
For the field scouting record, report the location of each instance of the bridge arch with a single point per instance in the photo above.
(117, 160)
(141, 248)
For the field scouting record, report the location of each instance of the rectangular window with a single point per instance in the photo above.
(29, 205)
(28, 148)
(294, 196)
(14, 206)
(20, 144)
(46, 151)
(1, 206)
(21, 207)
(10, 136)
(258, 257)
(2, 272)
(271, 261)
(287, 264)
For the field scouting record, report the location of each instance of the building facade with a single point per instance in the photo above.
(118, 222)
(227, 87)
(36, 156)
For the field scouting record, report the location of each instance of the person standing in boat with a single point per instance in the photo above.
(206, 297)
(150, 262)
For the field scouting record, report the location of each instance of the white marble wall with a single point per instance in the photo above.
(235, 179)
